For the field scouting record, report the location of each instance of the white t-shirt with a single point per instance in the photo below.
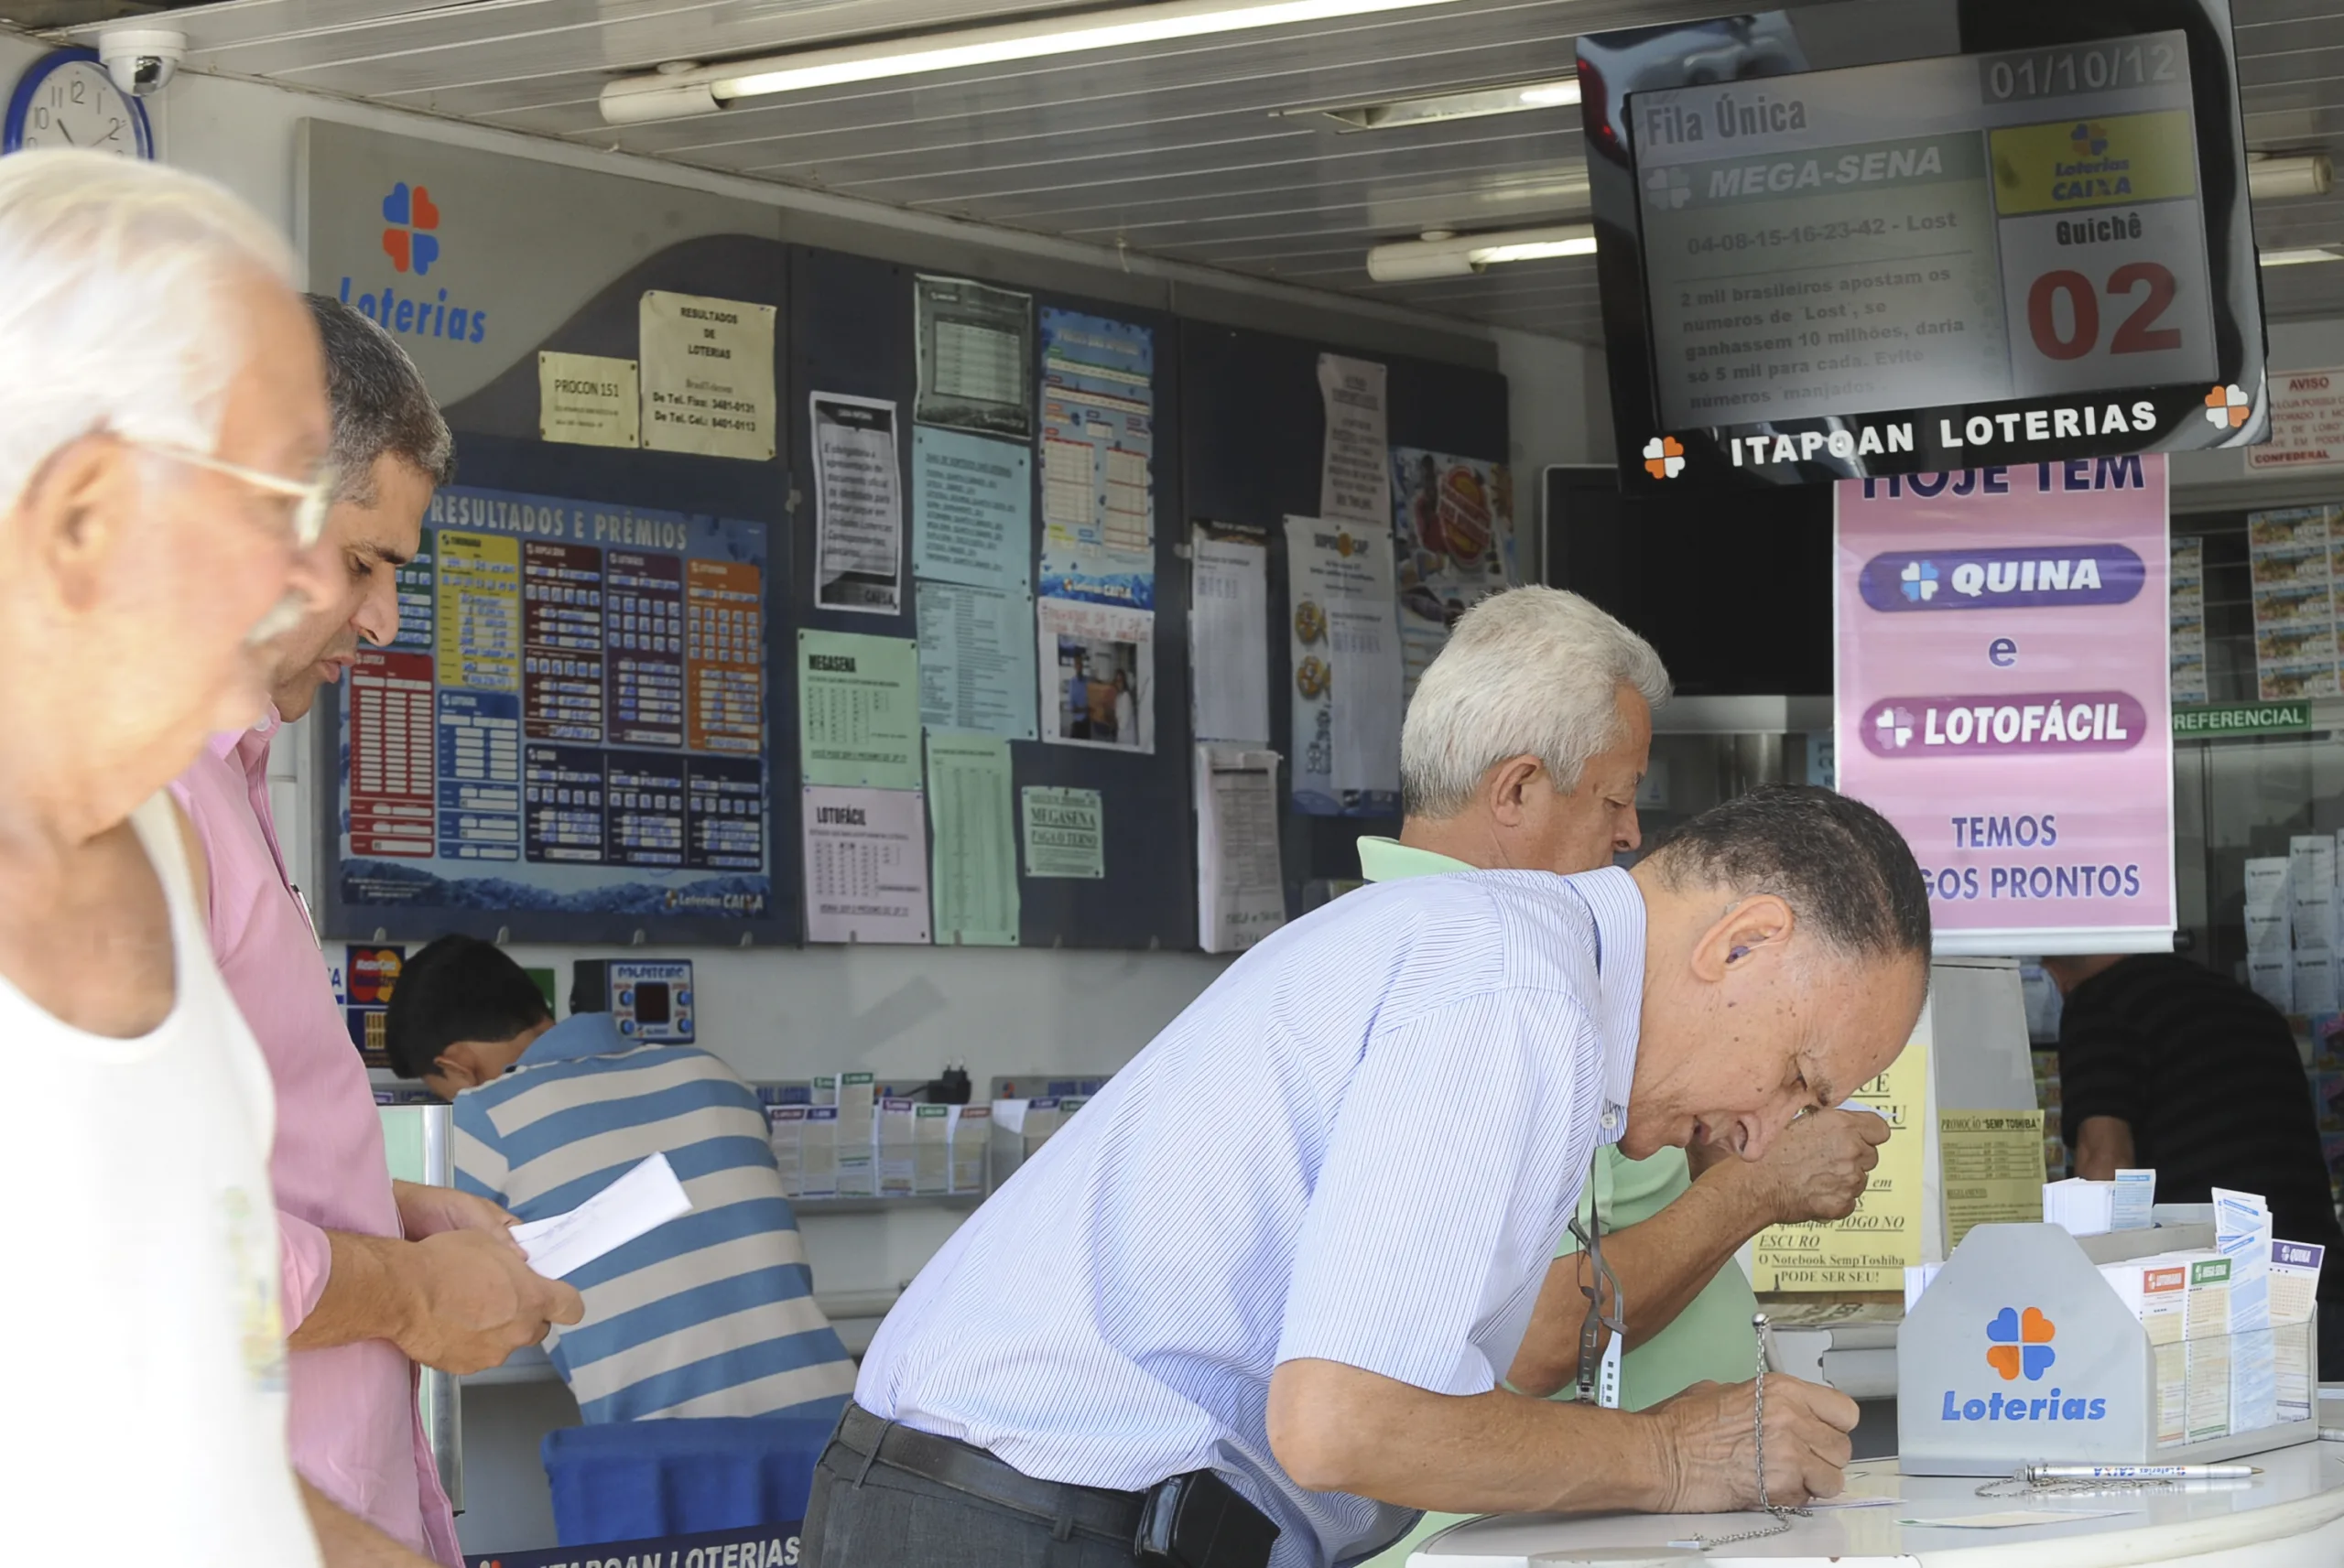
(146, 1385)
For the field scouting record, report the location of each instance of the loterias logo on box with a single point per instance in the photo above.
(414, 242)
(760, 1546)
(2019, 1345)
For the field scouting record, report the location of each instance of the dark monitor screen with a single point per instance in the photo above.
(1733, 589)
(651, 1002)
(2007, 232)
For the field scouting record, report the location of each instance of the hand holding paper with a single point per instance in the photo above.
(636, 1204)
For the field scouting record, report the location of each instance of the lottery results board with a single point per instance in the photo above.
(1930, 264)
(568, 732)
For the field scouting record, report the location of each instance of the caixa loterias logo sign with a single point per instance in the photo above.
(2051, 721)
(2019, 1345)
(413, 241)
(2029, 577)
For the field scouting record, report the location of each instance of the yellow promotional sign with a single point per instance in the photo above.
(1992, 1164)
(479, 612)
(1871, 1248)
(2073, 164)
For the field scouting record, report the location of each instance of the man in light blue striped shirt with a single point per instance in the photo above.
(1297, 1241)
(710, 1314)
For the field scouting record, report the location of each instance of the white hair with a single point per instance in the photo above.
(1530, 671)
(116, 304)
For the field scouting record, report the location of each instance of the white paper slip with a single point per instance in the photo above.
(636, 1205)
(2135, 1199)
(2016, 1518)
(2268, 888)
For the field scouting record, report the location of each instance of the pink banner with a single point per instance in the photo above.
(2002, 697)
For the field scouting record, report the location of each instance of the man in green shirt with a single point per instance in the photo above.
(1523, 750)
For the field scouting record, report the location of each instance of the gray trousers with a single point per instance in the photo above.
(868, 1514)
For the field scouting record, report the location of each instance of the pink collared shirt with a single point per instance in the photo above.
(356, 1433)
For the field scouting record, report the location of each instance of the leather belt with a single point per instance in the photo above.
(1095, 1510)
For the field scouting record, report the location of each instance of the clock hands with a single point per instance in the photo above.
(66, 132)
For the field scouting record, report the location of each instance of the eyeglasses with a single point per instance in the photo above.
(1599, 1370)
(312, 497)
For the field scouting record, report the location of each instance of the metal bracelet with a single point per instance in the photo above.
(1781, 1517)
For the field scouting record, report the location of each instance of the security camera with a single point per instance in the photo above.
(142, 60)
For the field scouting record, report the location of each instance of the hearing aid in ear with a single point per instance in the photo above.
(1739, 953)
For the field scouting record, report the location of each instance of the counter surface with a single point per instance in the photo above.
(2291, 1516)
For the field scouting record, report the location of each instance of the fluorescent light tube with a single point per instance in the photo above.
(1460, 256)
(1534, 250)
(2299, 257)
(710, 88)
(1515, 98)
(2271, 177)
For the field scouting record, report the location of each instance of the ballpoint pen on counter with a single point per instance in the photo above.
(2141, 1472)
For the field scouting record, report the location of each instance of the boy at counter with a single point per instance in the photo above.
(712, 1314)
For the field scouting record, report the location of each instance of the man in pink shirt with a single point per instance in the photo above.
(378, 1275)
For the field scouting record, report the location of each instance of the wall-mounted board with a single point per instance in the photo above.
(572, 738)
(1251, 455)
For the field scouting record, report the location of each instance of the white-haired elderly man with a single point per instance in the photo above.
(162, 431)
(1522, 751)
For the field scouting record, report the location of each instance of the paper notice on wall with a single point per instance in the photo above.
(974, 869)
(858, 709)
(976, 660)
(1991, 1163)
(1098, 439)
(587, 400)
(2306, 422)
(1240, 883)
(1097, 665)
(973, 510)
(975, 348)
(1354, 476)
(858, 506)
(707, 383)
(866, 865)
(1066, 833)
(1344, 648)
(1871, 1248)
(1229, 637)
(1454, 521)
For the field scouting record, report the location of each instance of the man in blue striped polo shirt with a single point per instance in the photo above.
(712, 1314)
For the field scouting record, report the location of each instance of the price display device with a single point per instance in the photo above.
(2038, 251)
(650, 1001)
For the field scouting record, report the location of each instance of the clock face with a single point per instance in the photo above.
(78, 105)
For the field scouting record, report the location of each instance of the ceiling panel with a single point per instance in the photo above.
(1177, 151)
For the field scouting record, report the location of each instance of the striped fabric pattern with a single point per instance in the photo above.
(712, 1314)
(1359, 1145)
